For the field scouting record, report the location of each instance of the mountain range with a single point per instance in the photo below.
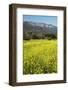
(36, 27)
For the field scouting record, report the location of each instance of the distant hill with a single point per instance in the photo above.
(39, 27)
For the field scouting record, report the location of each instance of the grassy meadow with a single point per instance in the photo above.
(40, 56)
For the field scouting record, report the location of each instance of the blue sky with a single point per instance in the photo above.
(42, 19)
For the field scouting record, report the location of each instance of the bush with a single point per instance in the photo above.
(34, 36)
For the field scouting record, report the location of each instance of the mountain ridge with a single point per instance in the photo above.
(39, 27)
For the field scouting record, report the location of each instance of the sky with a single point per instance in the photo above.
(41, 19)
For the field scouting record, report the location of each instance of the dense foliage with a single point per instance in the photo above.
(30, 35)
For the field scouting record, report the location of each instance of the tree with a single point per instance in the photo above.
(27, 35)
(51, 36)
(34, 36)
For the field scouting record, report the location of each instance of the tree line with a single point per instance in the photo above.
(31, 35)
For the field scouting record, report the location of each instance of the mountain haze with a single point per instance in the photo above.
(39, 27)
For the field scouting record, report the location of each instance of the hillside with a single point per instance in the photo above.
(39, 28)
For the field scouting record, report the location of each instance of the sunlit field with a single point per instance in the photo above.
(40, 56)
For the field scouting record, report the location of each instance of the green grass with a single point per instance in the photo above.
(40, 56)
